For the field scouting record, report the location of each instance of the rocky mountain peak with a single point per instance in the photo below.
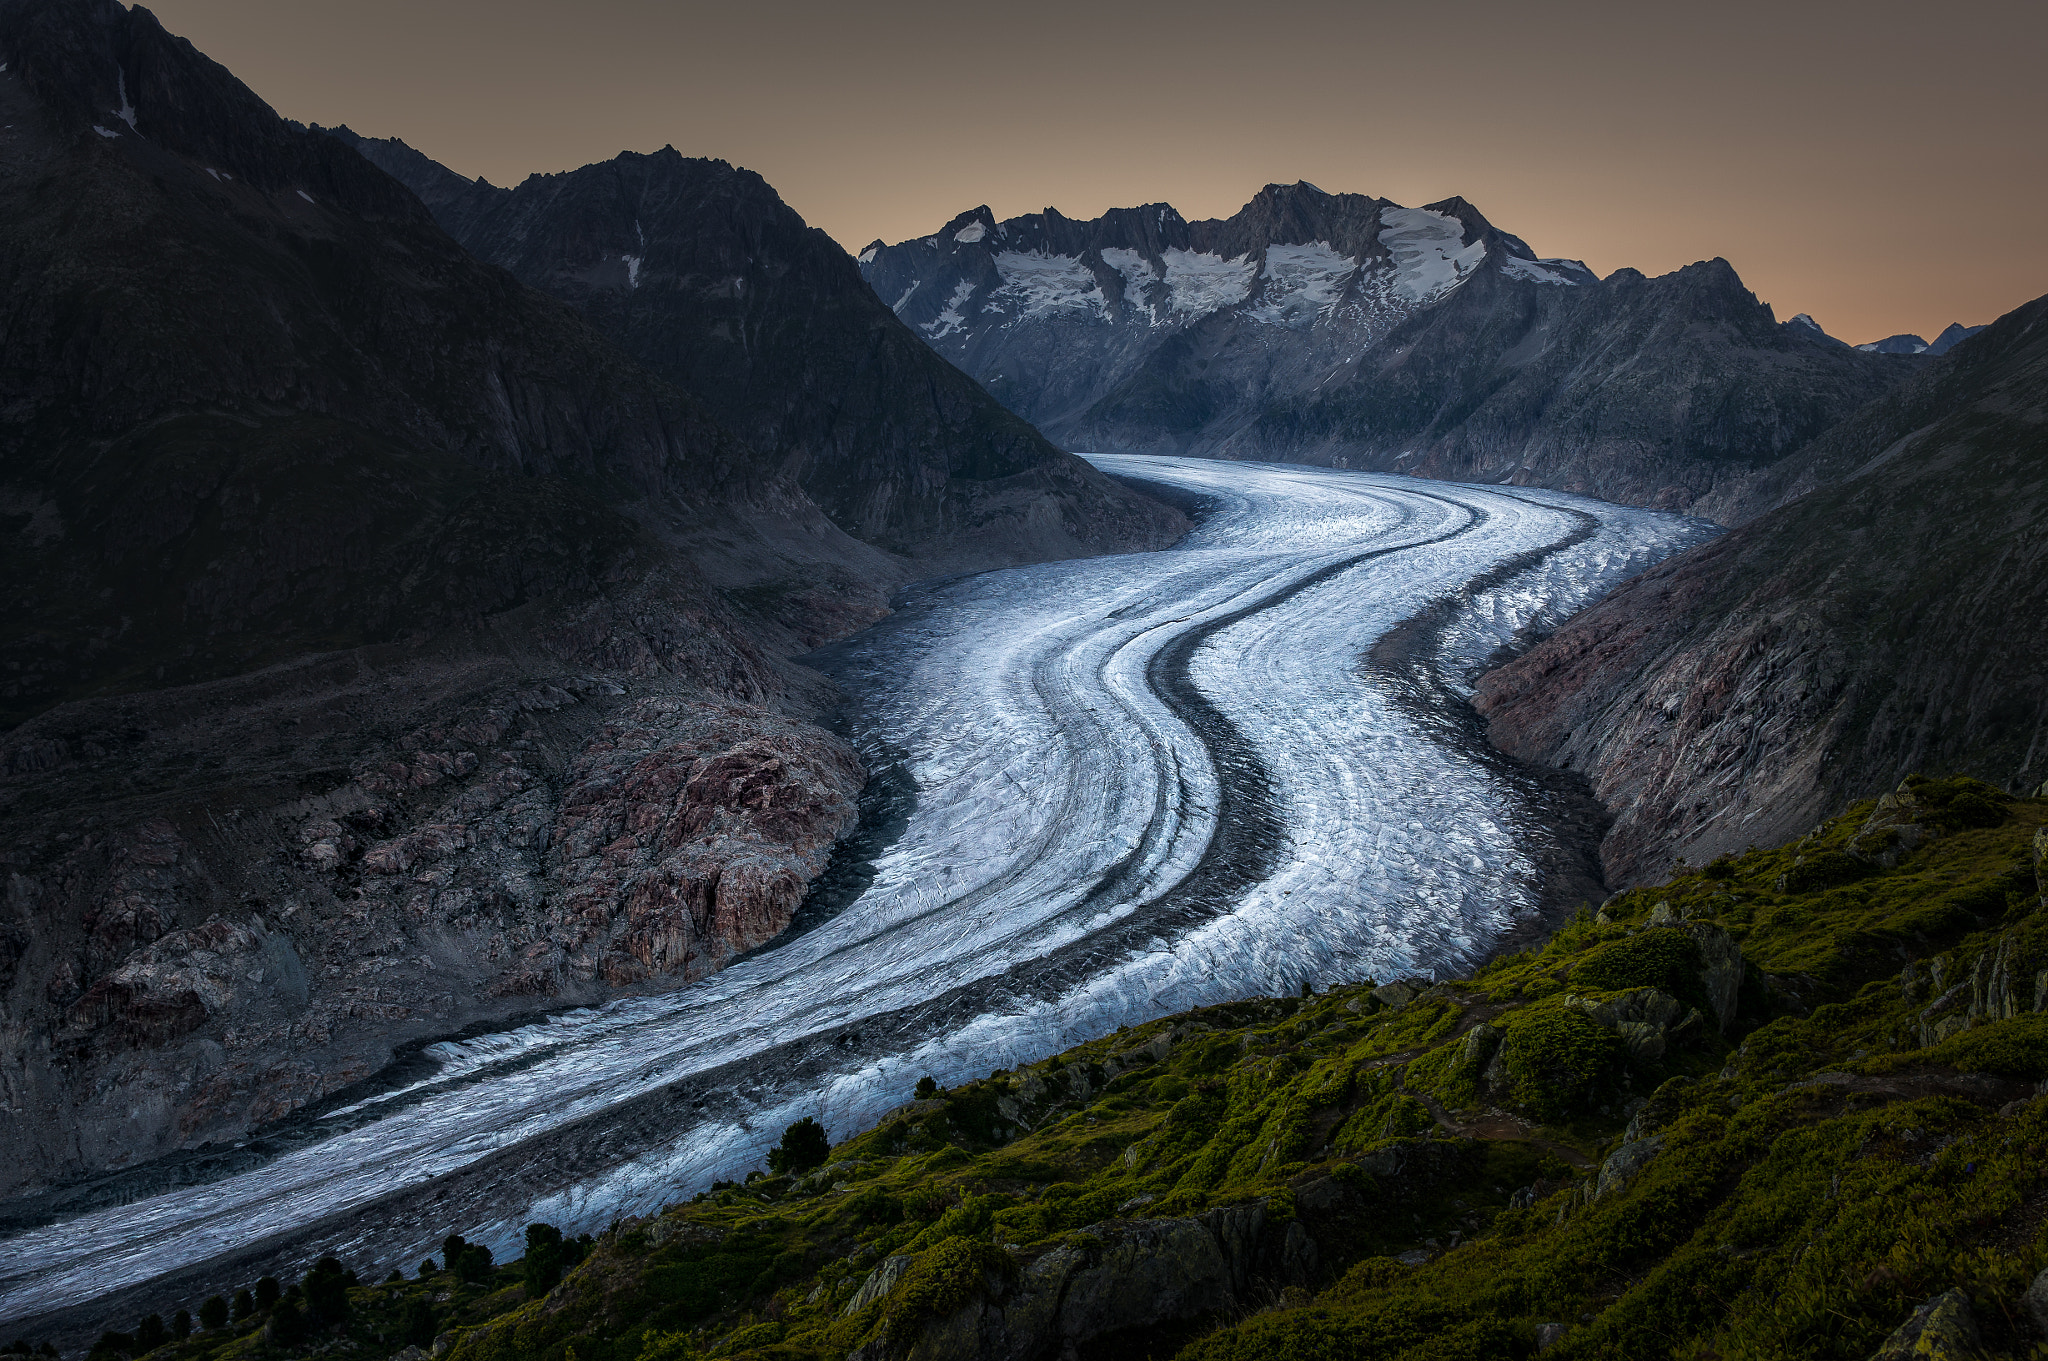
(1348, 328)
(1804, 326)
(116, 73)
(700, 271)
(1955, 334)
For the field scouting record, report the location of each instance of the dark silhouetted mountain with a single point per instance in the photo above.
(385, 649)
(1889, 616)
(1898, 344)
(1347, 330)
(1954, 335)
(702, 273)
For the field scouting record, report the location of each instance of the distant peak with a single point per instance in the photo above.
(1955, 335)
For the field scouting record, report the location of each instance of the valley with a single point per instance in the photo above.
(1142, 783)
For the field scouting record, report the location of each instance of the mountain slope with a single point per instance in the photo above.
(703, 274)
(1340, 329)
(1715, 1119)
(1887, 616)
(385, 651)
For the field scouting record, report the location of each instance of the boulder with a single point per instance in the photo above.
(880, 1282)
(1943, 1329)
(1645, 1019)
(1396, 995)
(1625, 1164)
(1892, 831)
(1123, 1274)
(1721, 969)
(2036, 1301)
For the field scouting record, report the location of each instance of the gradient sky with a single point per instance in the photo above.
(1881, 165)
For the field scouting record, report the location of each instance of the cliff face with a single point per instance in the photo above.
(1351, 331)
(703, 274)
(1886, 617)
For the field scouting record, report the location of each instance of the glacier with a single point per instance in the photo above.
(1141, 783)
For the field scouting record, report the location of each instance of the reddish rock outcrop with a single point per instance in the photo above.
(192, 974)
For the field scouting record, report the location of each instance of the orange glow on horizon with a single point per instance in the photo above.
(1879, 165)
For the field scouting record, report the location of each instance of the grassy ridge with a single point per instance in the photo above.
(1630, 1142)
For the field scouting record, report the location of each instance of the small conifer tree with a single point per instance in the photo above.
(803, 1147)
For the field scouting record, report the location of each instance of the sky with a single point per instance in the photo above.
(1882, 166)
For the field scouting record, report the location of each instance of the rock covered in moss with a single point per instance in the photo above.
(1943, 1329)
(1624, 1164)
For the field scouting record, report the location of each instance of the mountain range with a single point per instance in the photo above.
(1352, 331)
(405, 578)
(1904, 343)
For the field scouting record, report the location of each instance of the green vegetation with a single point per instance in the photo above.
(1752, 1112)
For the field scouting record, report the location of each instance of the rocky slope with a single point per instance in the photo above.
(1885, 616)
(703, 274)
(1346, 330)
(385, 650)
(1717, 1119)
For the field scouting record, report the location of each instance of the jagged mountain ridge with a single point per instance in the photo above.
(703, 274)
(1882, 613)
(1906, 343)
(1348, 330)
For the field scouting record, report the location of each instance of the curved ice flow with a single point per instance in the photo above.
(1052, 882)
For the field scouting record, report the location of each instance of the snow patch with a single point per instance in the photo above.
(1204, 283)
(1302, 283)
(1430, 257)
(1139, 278)
(897, 306)
(1566, 272)
(1036, 284)
(126, 113)
(973, 231)
(632, 270)
(103, 132)
(867, 256)
(304, 195)
(951, 319)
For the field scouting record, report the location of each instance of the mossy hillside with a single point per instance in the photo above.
(1864, 1134)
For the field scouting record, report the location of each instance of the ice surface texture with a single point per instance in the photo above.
(1143, 783)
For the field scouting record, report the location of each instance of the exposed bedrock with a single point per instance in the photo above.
(1885, 618)
(182, 968)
